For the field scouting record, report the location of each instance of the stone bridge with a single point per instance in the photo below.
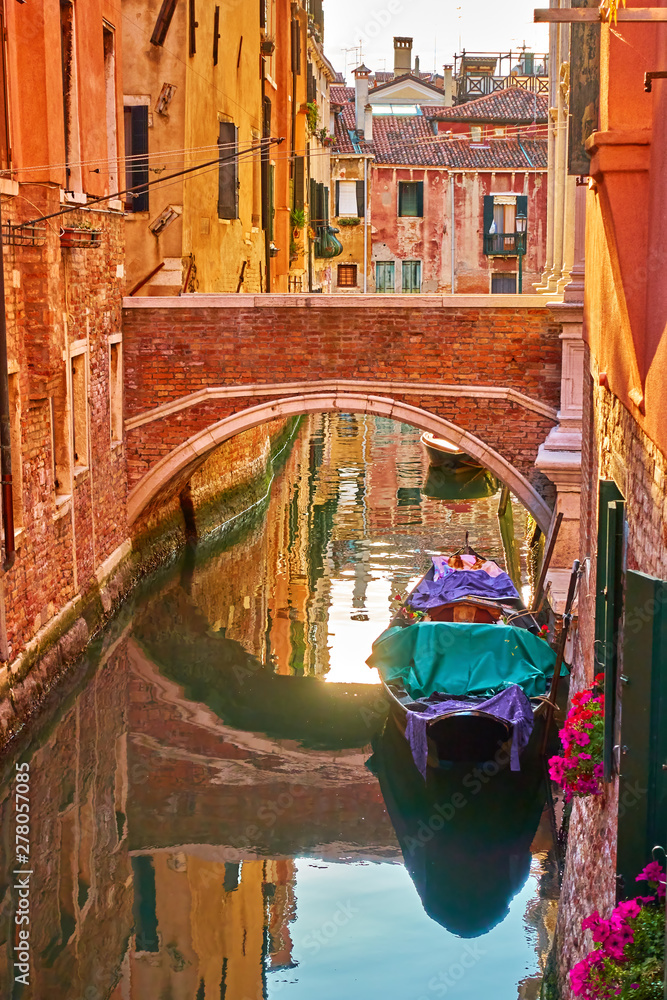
(484, 371)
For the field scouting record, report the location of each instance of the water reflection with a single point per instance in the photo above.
(206, 823)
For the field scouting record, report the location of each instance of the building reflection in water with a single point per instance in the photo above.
(174, 794)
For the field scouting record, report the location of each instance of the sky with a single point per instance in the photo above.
(439, 28)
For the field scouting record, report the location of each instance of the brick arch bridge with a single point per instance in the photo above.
(482, 370)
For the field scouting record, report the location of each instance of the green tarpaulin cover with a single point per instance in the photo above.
(459, 658)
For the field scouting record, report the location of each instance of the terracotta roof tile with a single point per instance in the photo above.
(410, 140)
(510, 105)
(341, 95)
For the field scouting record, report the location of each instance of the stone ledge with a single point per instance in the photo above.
(353, 301)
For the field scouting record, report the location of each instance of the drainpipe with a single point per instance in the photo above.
(5, 433)
(453, 242)
(365, 225)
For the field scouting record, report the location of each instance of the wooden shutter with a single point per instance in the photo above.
(138, 171)
(361, 207)
(608, 604)
(401, 188)
(299, 182)
(163, 21)
(296, 47)
(228, 193)
(488, 212)
(420, 199)
(216, 35)
(193, 24)
(642, 817)
(522, 205)
(337, 206)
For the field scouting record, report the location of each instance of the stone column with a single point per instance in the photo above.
(551, 154)
(559, 457)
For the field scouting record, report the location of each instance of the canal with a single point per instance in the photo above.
(218, 808)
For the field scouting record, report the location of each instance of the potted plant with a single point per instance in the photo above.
(351, 221)
(84, 234)
(628, 957)
(579, 771)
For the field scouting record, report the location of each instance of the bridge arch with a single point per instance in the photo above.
(196, 448)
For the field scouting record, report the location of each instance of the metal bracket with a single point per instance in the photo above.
(658, 74)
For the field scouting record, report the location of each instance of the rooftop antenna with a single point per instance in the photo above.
(359, 58)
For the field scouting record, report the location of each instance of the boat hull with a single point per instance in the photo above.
(445, 456)
(466, 737)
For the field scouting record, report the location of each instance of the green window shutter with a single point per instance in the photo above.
(272, 196)
(361, 208)
(299, 182)
(384, 276)
(228, 191)
(522, 205)
(642, 816)
(488, 212)
(325, 204)
(337, 198)
(420, 199)
(608, 604)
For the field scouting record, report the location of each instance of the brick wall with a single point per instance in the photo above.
(614, 447)
(56, 297)
(277, 340)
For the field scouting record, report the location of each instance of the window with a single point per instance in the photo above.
(350, 199)
(503, 283)
(500, 132)
(70, 97)
(116, 387)
(500, 212)
(110, 100)
(79, 376)
(15, 446)
(475, 133)
(228, 175)
(385, 276)
(136, 156)
(347, 275)
(411, 199)
(412, 276)
(60, 453)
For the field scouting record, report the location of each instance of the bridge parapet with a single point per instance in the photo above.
(485, 370)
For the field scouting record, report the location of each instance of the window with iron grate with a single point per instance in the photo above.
(347, 275)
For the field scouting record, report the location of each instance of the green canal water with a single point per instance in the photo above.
(219, 807)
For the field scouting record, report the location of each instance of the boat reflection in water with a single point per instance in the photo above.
(465, 483)
(465, 833)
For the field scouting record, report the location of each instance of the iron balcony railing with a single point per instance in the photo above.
(505, 244)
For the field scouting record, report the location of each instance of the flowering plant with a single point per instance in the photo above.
(629, 954)
(579, 770)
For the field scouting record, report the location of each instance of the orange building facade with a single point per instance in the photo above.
(62, 148)
(623, 589)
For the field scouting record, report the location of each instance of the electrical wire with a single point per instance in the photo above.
(138, 188)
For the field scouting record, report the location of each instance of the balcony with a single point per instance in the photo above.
(505, 244)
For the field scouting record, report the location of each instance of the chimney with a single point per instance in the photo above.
(361, 74)
(402, 56)
(448, 86)
(416, 65)
(368, 123)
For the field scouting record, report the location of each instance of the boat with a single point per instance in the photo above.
(444, 453)
(464, 665)
(465, 483)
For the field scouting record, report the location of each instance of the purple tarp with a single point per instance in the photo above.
(443, 584)
(511, 705)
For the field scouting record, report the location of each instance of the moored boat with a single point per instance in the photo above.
(464, 665)
(442, 452)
